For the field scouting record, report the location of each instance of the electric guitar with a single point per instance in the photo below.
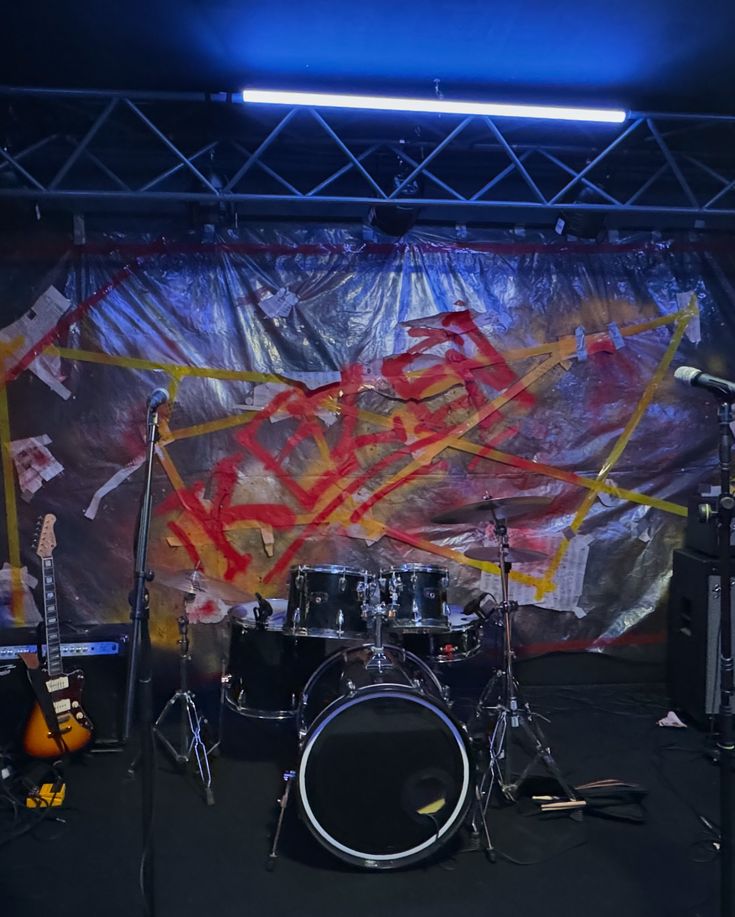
(57, 723)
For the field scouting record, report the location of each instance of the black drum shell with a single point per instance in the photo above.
(267, 668)
(319, 596)
(421, 598)
(462, 641)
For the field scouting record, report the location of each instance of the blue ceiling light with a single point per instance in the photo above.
(439, 106)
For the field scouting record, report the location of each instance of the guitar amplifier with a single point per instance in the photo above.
(694, 635)
(100, 651)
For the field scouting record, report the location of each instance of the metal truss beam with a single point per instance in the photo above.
(77, 147)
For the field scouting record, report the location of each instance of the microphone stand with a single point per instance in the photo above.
(724, 512)
(140, 670)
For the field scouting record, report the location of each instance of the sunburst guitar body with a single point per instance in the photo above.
(58, 723)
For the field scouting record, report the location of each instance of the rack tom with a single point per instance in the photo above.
(416, 597)
(327, 601)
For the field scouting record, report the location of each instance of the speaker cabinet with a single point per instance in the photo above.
(693, 664)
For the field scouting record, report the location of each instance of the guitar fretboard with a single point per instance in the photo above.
(51, 613)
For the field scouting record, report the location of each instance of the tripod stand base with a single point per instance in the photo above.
(191, 743)
(515, 725)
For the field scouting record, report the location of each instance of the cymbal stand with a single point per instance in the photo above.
(513, 721)
(190, 740)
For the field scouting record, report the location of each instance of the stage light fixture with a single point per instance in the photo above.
(437, 106)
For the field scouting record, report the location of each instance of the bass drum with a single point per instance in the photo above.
(385, 773)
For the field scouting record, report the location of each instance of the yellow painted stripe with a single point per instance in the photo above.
(682, 321)
(542, 469)
(208, 372)
(177, 482)
(11, 509)
(211, 426)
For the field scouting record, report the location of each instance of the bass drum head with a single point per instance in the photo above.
(385, 777)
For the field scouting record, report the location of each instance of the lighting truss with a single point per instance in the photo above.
(79, 148)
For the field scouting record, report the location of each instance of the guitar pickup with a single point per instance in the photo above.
(57, 684)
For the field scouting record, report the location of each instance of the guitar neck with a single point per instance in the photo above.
(51, 614)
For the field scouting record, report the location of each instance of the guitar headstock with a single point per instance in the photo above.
(46, 540)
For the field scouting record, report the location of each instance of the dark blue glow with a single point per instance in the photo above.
(644, 54)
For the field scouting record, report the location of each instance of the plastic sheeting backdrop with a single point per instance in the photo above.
(329, 395)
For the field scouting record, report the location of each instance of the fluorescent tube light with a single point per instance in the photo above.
(444, 106)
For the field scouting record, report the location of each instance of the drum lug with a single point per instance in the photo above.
(351, 688)
(340, 622)
(446, 694)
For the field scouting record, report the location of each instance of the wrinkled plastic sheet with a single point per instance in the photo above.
(331, 393)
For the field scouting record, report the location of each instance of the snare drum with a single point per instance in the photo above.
(416, 596)
(327, 602)
(463, 640)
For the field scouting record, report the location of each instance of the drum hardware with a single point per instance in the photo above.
(263, 611)
(378, 661)
(513, 717)
(191, 722)
(282, 803)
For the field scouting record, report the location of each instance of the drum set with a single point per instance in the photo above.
(387, 772)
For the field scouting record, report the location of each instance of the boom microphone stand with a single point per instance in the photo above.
(724, 514)
(724, 391)
(139, 660)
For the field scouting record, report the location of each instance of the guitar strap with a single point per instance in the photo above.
(38, 683)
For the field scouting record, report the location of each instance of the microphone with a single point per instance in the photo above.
(156, 398)
(482, 605)
(722, 388)
(264, 611)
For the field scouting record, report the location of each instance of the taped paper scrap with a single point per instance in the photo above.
(48, 369)
(361, 533)
(121, 475)
(279, 304)
(568, 581)
(29, 611)
(28, 330)
(261, 395)
(34, 464)
(694, 328)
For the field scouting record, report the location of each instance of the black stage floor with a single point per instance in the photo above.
(211, 860)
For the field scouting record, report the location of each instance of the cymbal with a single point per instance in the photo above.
(503, 508)
(515, 555)
(193, 582)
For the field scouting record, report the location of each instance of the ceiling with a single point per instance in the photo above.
(654, 55)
